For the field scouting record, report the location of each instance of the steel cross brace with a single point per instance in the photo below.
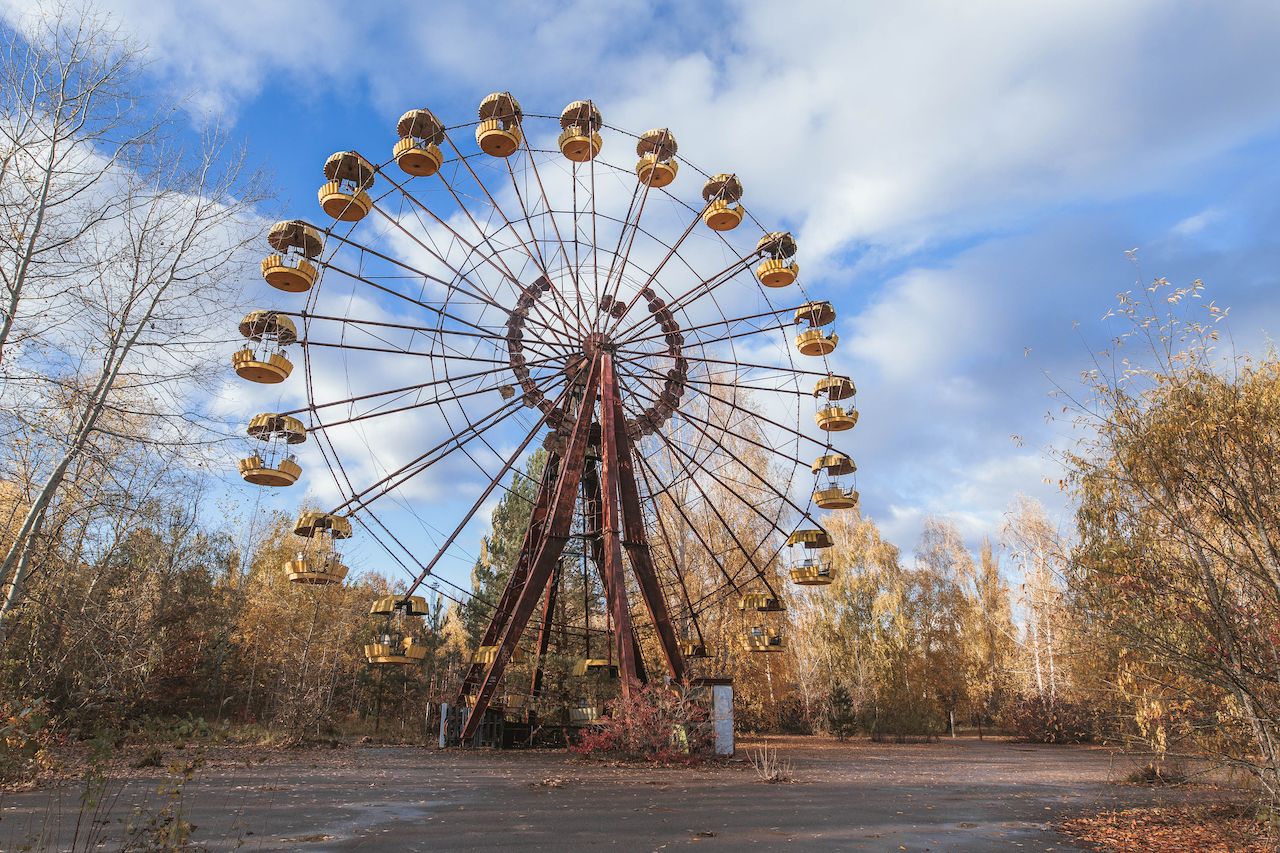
(555, 534)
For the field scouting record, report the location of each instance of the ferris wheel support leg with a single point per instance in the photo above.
(519, 574)
(638, 552)
(544, 631)
(548, 555)
(591, 494)
(617, 591)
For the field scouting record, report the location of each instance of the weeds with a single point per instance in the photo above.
(769, 767)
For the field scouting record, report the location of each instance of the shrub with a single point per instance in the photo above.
(26, 733)
(657, 724)
(841, 720)
(769, 767)
(1042, 720)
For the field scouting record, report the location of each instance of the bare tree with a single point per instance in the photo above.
(127, 259)
(1041, 556)
(67, 120)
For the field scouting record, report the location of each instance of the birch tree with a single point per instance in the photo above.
(126, 267)
(1179, 553)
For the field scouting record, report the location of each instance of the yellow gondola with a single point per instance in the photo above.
(266, 362)
(836, 418)
(834, 494)
(400, 653)
(582, 715)
(418, 151)
(278, 467)
(815, 314)
(585, 666)
(720, 192)
(810, 537)
(691, 649)
(580, 124)
(816, 342)
(290, 269)
(834, 464)
(315, 569)
(498, 133)
(762, 639)
(345, 196)
(835, 497)
(835, 388)
(485, 655)
(811, 572)
(777, 270)
(657, 150)
(387, 605)
(761, 602)
(312, 524)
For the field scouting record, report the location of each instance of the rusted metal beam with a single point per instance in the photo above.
(519, 573)
(591, 494)
(544, 630)
(619, 609)
(637, 546)
(548, 553)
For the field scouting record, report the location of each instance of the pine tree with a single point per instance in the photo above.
(501, 548)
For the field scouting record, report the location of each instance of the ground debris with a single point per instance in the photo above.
(550, 782)
(1215, 828)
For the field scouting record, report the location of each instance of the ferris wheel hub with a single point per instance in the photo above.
(597, 342)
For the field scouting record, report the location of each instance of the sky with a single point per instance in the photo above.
(968, 182)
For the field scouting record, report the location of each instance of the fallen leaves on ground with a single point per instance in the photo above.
(1220, 828)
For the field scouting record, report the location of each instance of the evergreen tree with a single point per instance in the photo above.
(501, 548)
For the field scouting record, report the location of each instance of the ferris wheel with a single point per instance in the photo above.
(464, 304)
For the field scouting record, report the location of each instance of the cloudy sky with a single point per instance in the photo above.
(964, 179)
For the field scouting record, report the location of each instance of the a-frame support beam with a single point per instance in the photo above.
(638, 552)
(544, 631)
(515, 583)
(611, 533)
(616, 519)
(555, 534)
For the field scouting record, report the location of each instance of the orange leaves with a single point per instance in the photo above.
(1222, 828)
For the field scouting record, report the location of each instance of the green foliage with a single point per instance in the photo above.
(841, 719)
(501, 548)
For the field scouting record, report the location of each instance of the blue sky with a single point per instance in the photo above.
(964, 179)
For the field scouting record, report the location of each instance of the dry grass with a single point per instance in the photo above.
(769, 767)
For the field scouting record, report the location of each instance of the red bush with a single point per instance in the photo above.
(657, 724)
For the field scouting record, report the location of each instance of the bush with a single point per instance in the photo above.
(1042, 720)
(26, 733)
(841, 719)
(900, 718)
(657, 724)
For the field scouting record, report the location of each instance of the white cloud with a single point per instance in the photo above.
(878, 132)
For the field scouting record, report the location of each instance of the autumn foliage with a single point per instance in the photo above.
(656, 724)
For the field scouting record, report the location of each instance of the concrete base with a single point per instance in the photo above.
(721, 695)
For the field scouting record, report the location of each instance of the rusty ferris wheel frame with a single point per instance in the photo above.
(529, 294)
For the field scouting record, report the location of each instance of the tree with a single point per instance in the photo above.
(1179, 551)
(500, 549)
(990, 638)
(942, 565)
(120, 264)
(1041, 557)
